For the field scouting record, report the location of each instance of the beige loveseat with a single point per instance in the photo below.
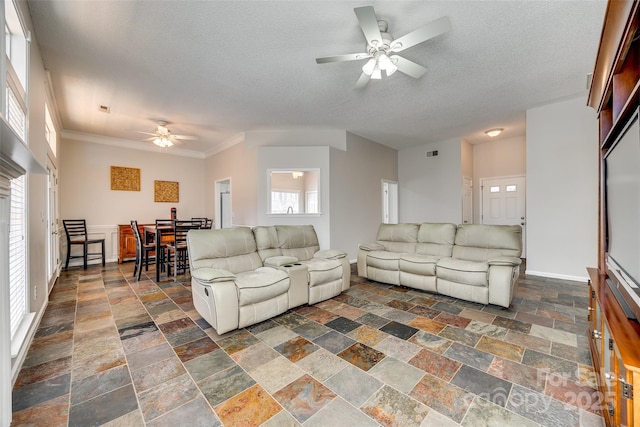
(241, 276)
(473, 262)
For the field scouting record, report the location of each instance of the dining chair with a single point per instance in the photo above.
(166, 237)
(76, 232)
(208, 224)
(202, 220)
(142, 251)
(177, 257)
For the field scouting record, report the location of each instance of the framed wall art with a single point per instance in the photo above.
(166, 191)
(125, 179)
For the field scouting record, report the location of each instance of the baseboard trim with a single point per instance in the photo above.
(557, 276)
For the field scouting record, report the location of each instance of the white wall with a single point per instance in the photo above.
(296, 158)
(356, 191)
(430, 188)
(495, 158)
(85, 188)
(562, 189)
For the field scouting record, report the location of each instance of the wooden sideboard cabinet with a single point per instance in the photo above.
(614, 342)
(127, 242)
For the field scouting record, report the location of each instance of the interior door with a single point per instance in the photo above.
(503, 202)
(53, 264)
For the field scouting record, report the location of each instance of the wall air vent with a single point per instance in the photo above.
(433, 153)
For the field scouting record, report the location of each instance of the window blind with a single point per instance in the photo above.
(17, 255)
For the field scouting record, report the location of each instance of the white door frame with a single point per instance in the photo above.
(389, 201)
(467, 203)
(522, 222)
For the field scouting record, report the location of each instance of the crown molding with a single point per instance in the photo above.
(126, 143)
(236, 139)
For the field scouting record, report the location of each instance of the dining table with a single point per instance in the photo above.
(157, 232)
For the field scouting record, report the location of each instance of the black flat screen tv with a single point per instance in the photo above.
(622, 216)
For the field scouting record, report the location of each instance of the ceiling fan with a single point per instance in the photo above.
(381, 47)
(163, 137)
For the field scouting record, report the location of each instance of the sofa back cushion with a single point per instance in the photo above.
(398, 237)
(300, 241)
(436, 239)
(267, 241)
(481, 242)
(231, 249)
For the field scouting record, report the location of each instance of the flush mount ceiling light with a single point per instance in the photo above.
(494, 132)
(297, 174)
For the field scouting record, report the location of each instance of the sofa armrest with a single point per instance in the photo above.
(509, 261)
(371, 247)
(330, 254)
(208, 275)
(279, 260)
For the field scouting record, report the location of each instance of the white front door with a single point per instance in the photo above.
(503, 202)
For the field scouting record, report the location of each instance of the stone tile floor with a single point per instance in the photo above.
(114, 351)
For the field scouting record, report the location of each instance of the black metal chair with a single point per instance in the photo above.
(76, 231)
(142, 251)
(208, 224)
(177, 258)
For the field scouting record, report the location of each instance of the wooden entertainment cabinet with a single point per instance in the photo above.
(615, 94)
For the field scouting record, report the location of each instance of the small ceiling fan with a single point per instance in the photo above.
(163, 137)
(381, 47)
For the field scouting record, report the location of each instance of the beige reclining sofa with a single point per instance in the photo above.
(237, 282)
(473, 262)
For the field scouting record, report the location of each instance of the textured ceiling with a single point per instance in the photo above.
(215, 69)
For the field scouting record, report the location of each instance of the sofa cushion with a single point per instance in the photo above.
(418, 264)
(481, 242)
(384, 260)
(398, 237)
(436, 239)
(475, 273)
(260, 285)
(330, 254)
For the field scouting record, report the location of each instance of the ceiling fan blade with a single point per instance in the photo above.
(410, 68)
(424, 33)
(342, 58)
(369, 24)
(185, 137)
(146, 133)
(362, 81)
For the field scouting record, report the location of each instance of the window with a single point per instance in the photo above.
(511, 188)
(49, 130)
(16, 113)
(495, 189)
(311, 202)
(294, 191)
(17, 254)
(285, 202)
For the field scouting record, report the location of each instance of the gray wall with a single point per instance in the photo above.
(496, 158)
(356, 191)
(431, 187)
(562, 189)
(239, 164)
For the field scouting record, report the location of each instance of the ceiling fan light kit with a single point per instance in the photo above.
(163, 137)
(381, 45)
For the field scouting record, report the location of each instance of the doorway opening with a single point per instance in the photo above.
(389, 202)
(223, 212)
